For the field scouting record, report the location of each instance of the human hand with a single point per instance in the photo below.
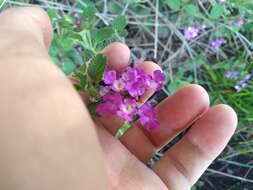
(47, 136)
(185, 162)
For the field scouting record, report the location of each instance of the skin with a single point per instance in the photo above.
(49, 141)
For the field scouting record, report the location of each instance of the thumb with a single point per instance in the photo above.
(25, 25)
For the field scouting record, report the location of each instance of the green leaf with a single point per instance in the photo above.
(97, 67)
(216, 11)
(192, 10)
(92, 108)
(67, 44)
(90, 11)
(119, 23)
(92, 90)
(174, 4)
(123, 33)
(103, 34)
(78, 87)
(53, 15)
(68, 66)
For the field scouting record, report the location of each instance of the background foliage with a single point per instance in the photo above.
(156, 30)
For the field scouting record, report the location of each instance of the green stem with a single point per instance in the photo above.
(123, 130)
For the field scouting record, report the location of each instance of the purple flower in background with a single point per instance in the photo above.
(78, 48)
(238, 88)
(190, 33)
(201, 28)
(128, 109)
(148, 116)
(222, 1)
(246, 78)
(193, 31)
(230, 74)
(217, 43)
(243, 83)
(238, 22)
(109, 76)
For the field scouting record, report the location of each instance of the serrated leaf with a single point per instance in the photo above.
(67, 44)
(90, 11)
(97, 67)
(216, 11)
(174, 4)
(103, 34)
(68, 66)
(119, 23)
(53, 15)
(123, 33)
(92, 90)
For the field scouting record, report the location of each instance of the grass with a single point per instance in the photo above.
(155, 32)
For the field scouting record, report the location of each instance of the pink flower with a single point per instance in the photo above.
(110, 105)
(120, 95)
(128, 109)
(148, 116)
(109, 76)
(158, 77)
(118, 85)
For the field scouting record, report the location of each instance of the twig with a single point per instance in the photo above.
(2, 4)
(156, 29)
(231, 176)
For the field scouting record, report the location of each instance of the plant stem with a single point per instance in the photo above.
(123, 130)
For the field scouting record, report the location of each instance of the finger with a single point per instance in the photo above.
(43, 121)
(178, 112)
(188, 159)
(26, 23)
(174, 114)
(118, 56)
(83, 95)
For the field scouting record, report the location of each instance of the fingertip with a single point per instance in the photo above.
(214, 129)
(199, 92)
(227, 113)
(118, 55)
(42, 19)
(149, 67)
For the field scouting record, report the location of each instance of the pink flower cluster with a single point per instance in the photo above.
(121, 92)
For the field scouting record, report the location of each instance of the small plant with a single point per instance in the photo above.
(79, 44)
(113, 93)
(78, 38)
